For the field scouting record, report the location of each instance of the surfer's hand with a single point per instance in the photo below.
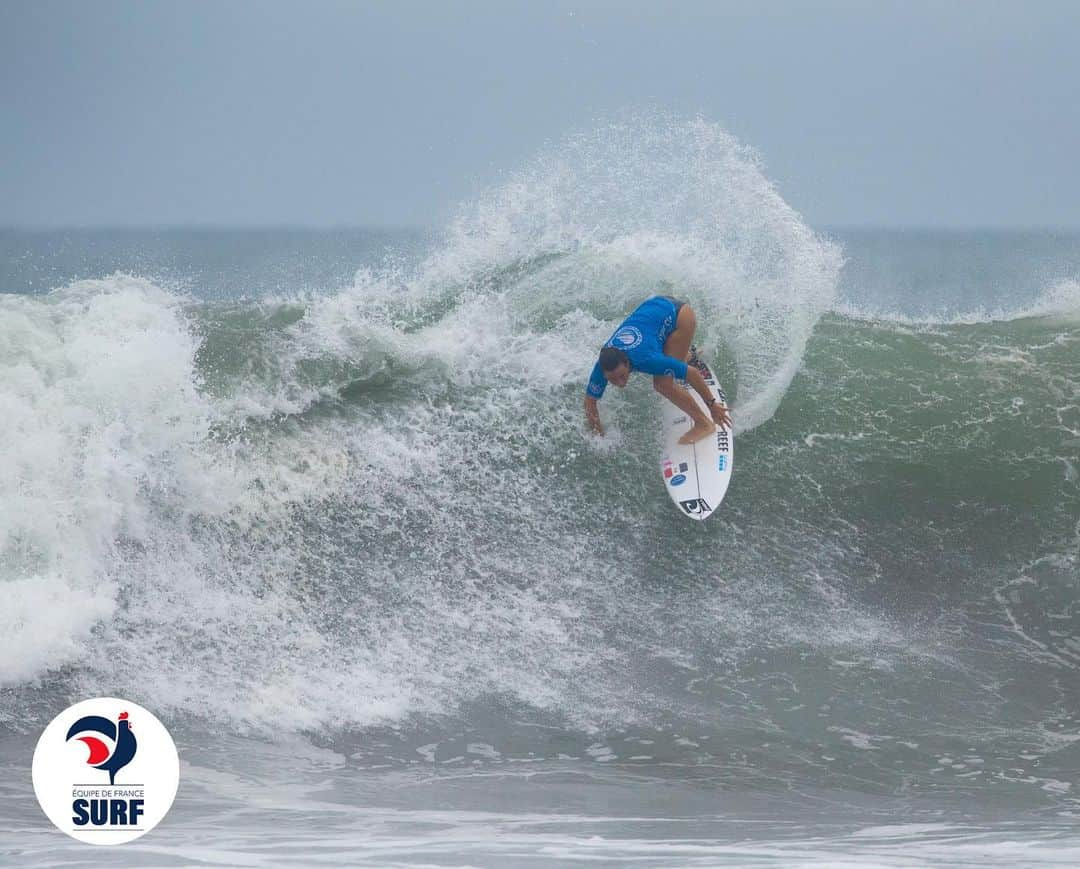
(720, 415)
(592, 415)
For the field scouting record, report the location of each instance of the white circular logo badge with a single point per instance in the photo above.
(627, 338)
(106, 771)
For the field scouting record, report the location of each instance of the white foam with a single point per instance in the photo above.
(98, 400)
(109, 454)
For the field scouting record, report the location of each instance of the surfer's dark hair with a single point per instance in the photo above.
(611, 358)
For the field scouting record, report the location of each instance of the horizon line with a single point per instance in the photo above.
(429, 228)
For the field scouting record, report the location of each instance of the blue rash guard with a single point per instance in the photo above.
(641, 337)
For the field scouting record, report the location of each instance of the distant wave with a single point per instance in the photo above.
(1059, 300)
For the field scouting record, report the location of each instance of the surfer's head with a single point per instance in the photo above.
(616, 365)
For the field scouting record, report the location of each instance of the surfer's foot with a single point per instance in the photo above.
(700, 431)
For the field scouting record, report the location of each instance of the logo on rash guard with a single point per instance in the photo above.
(627, 338)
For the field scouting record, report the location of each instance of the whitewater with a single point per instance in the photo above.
(331, 512)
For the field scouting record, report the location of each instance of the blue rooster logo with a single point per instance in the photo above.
(101, 756)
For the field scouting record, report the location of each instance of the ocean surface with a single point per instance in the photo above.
(324, 502)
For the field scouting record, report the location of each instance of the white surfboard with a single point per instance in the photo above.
(696, 476)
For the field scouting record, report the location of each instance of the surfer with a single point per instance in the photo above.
(655, 339)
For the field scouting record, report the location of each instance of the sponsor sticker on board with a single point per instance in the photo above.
(695, 506)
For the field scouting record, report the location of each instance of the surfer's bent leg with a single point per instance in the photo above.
(677, 346)
(682, 399)
(678, 342)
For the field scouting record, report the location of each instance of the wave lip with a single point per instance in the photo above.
(655, 203)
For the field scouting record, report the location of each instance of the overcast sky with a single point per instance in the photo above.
(357, 113)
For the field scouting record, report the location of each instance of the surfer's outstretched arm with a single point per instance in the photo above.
(592, 415)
